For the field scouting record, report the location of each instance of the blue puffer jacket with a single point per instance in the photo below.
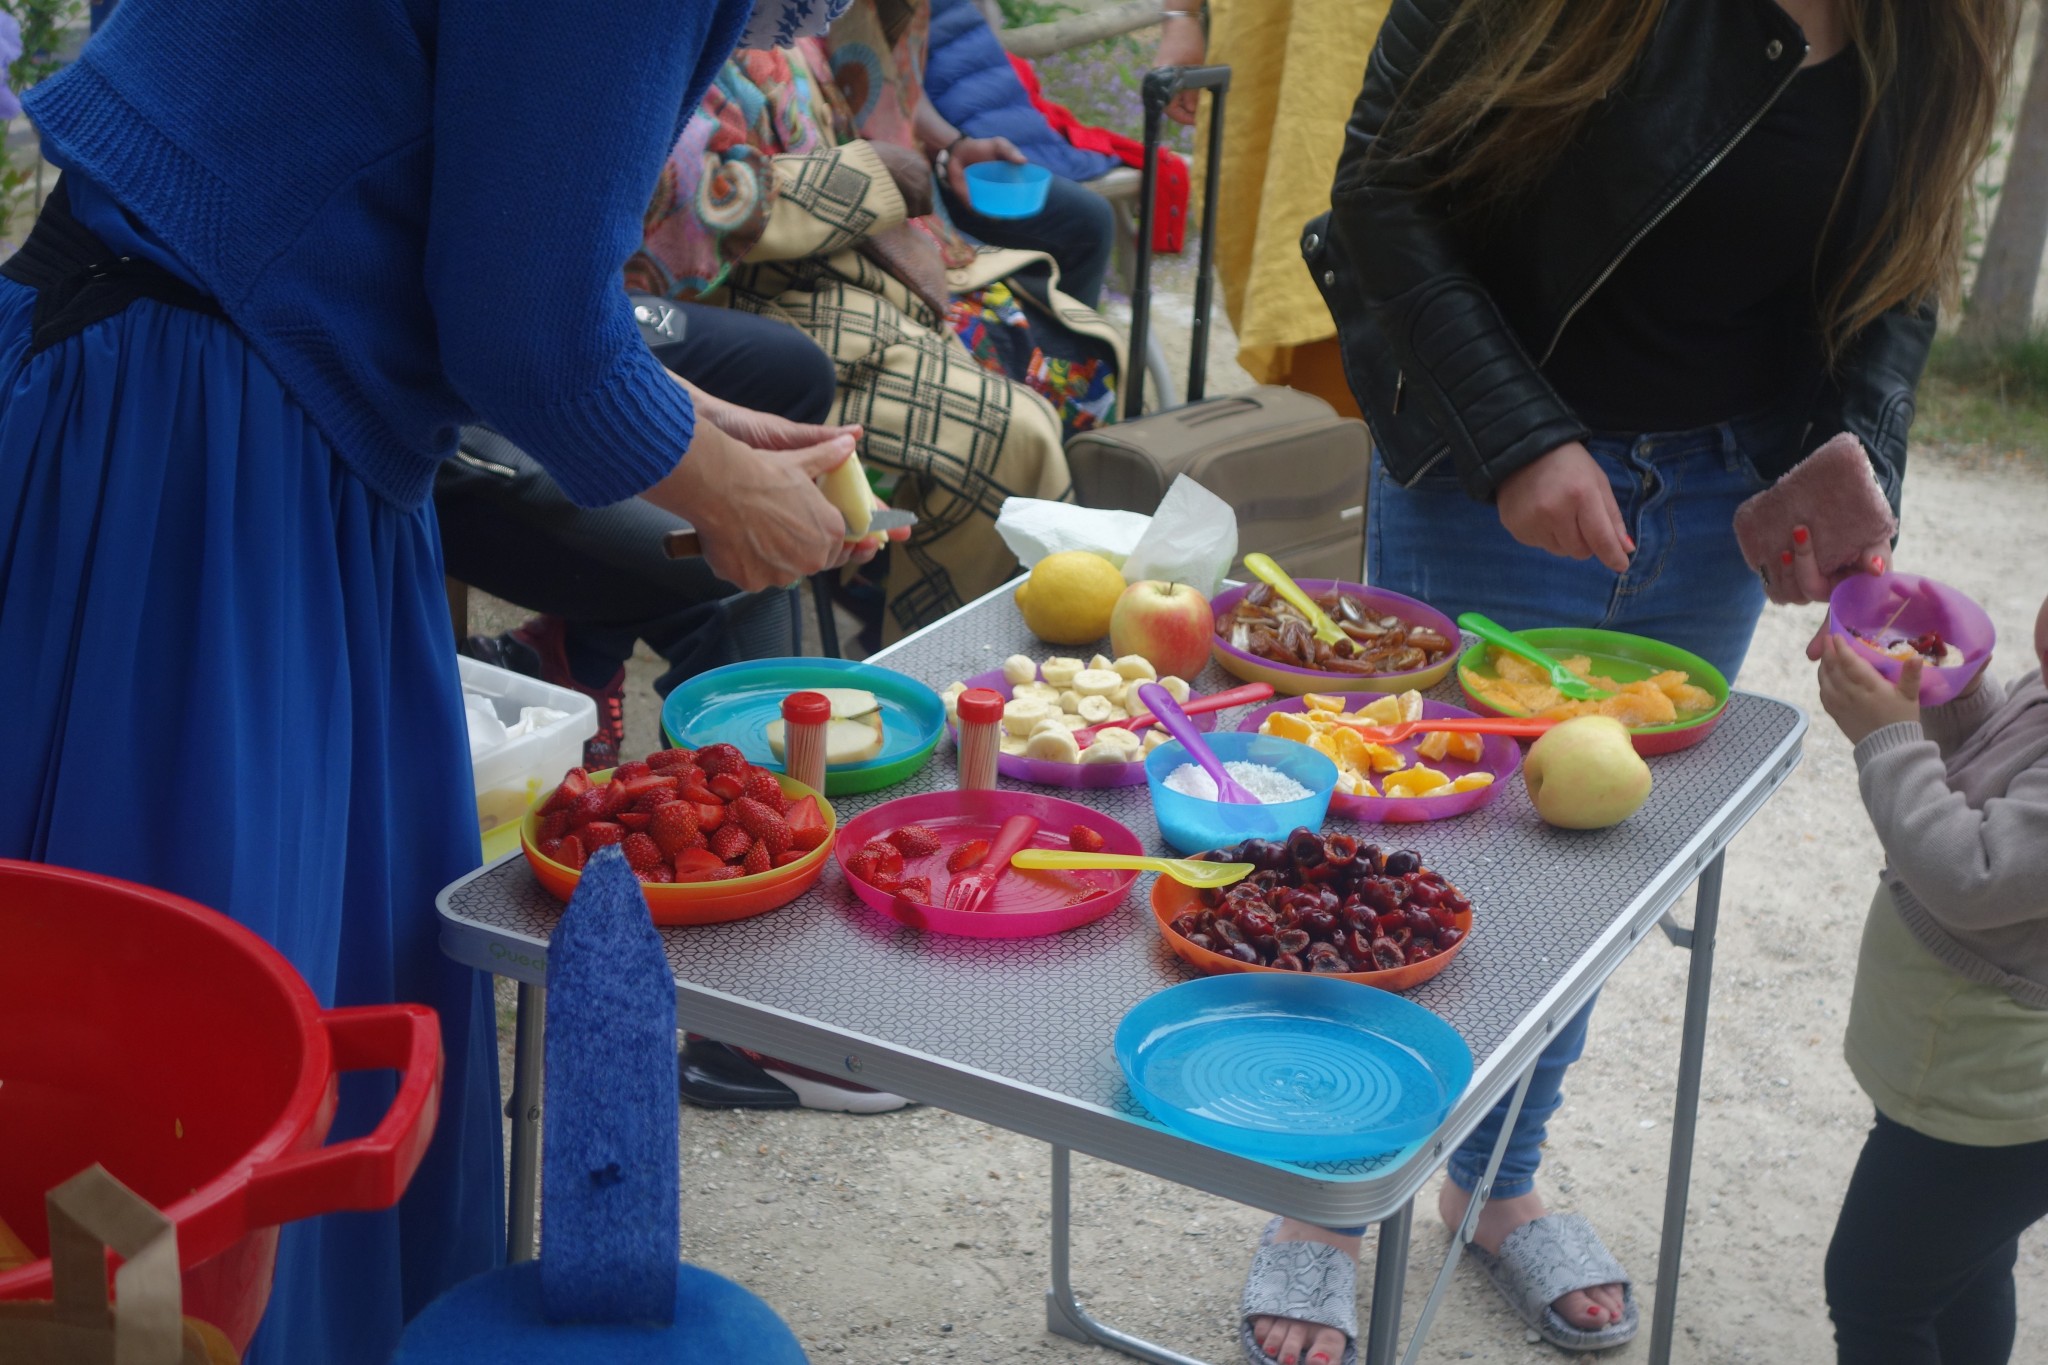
(968, 77)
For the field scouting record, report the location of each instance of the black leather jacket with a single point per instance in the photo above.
(1443, 322)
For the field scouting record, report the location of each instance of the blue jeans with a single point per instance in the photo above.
(1687, 585)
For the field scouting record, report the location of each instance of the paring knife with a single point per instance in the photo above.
(683, 542)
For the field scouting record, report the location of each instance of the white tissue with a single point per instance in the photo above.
(1192, 540)
(486, 731)
(1034, 528)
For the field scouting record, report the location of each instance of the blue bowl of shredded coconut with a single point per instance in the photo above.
(1183, 797)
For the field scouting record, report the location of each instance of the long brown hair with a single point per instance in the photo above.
(1528, 72)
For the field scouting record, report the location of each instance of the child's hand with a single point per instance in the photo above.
(1857, 695)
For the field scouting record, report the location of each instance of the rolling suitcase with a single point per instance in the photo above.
(1294, 471)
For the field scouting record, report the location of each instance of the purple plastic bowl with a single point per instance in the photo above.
(1043, 772)
(1293, 682)
(1501, 757)
(1865, 602)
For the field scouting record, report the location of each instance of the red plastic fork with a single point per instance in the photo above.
(969, 889)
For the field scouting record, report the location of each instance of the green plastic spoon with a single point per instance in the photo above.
(1567, 683)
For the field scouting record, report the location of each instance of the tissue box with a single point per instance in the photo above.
(511, 774)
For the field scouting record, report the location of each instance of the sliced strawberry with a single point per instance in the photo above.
(730, 842)
(668, 760)
(760, 784)
(710, 814)
(641, 852)
(861, 864)
(616, 799)
(550, 848)
(915, 840)
(717, 874)
(586, 808)
(804, 840)
(602, 834)
(627, 772)
(795, 855)
(675, 828)
(727, 787)
(571, 852)
(574, 783)
(1084, 839)
(764, 822)
(887, 879)
(967, 855)
(918, 889)
(721, 758)
(888, 857)
(658, 875)
(697, 860)
(635, 821)
(553, 827)
(758, 859)
(701, 794)
(803, 814)
(639, 789)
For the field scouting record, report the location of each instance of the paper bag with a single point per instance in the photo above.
(1034, 528)
(89, 1214)
(1192, 540)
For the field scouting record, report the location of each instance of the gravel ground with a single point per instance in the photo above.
(921, 1235)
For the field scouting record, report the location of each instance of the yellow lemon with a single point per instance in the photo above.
(1069, 596)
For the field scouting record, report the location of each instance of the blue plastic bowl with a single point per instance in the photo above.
(1000, 189)
(1192, 825)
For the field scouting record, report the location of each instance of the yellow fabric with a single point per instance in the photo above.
(1296, 66)
(1942, 1054)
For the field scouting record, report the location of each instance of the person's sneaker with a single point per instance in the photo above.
(546, 638)
(716, 1075)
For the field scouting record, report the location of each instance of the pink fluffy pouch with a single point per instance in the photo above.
(1834, 494)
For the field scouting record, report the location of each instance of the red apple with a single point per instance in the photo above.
(1169, 625)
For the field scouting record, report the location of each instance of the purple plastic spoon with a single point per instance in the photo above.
(1167, 711)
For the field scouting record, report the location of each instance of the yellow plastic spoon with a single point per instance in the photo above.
(1186, 871)
(1266, 571)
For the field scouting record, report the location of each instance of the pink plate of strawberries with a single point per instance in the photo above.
(902, 857)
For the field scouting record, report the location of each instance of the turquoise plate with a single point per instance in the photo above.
(733, 705)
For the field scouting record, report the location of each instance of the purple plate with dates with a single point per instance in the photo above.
(1501, 756)
(1045, 772)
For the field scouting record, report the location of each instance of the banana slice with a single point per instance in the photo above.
(1056, 747)
(1011, 745)
(1072, 722)
(1135, 668)
(1118, 713)
(1093, 709)
(1119, 738)
(1102, 661)
(1021, 717)
(1018, 670)
(1059, 670)
(1070, 701)
(1098, 752)
(1177, 688)
(1036, 691)
(1098, 682)
(1155, 737)
(1056, 722)
(951, 696)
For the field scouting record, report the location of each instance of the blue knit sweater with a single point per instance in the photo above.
(416, 210)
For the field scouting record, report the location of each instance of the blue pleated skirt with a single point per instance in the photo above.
(226, 670)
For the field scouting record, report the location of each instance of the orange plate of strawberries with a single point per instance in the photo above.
(711, 837)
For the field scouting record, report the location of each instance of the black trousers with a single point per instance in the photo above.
(1077, 228)
(507, 529)
(1920, 1269)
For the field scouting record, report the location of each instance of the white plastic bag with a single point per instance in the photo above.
(1192, 540)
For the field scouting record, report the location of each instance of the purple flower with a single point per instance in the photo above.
(10, 49)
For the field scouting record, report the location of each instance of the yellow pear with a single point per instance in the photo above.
(1586, 774)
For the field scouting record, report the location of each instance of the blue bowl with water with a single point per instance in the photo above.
(1284, 1066)
(1192, 825)
(1002, 189)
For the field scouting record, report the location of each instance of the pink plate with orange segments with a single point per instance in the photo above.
(1499, 757)
(1024, 904)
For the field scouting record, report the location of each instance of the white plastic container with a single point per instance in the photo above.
(511, 775)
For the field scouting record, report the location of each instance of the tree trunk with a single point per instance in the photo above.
(1073, 30)
(2002, 301)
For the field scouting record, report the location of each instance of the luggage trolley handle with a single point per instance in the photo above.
(1158, 89)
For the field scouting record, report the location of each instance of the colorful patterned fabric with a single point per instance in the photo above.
(781, 24)
(997, 331)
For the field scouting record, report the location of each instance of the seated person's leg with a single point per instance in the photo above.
(1077, 228)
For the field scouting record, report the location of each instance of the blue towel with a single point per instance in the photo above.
(609, 1206)
(969, 80)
